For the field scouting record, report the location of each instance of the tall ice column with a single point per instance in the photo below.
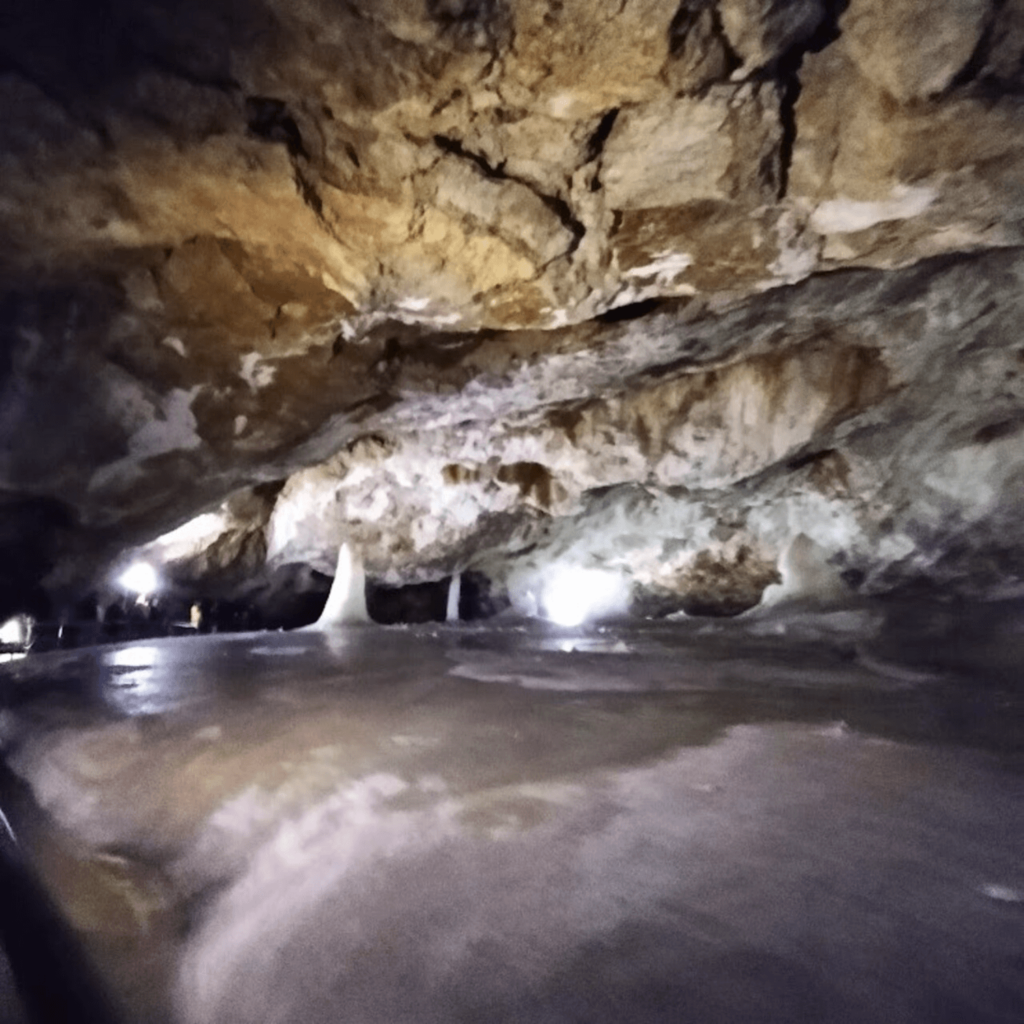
(347, 600)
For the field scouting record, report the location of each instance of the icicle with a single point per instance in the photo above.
(454, 593)
(347, 600)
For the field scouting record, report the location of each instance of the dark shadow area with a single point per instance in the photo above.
(417, 602)
(54, 981)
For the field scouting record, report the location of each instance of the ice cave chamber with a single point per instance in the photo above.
(512, 511)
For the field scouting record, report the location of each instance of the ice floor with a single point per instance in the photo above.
(804, 819)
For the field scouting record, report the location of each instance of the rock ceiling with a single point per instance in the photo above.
(714, 294)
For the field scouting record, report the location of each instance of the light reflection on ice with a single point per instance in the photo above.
(135, 666)
(135, 657)
(1003, 893)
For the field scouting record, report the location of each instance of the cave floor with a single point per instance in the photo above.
(791, 821)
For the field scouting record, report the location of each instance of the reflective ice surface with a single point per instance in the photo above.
(813, 818)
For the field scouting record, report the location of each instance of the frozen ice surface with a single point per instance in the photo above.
(647, 822)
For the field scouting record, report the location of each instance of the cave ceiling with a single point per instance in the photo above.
(692, 291)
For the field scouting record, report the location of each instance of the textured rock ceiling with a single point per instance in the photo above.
(715, 295)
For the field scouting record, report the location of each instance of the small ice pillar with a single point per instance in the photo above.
(454, 593)
(347, 600)
(807, 575)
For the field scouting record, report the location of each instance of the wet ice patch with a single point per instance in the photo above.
(569, 678)
(261, 819)
(1002, 893)
(285, 881)
(71, 771)
(404, 740)
(431, 784)
(402, 916)
(11, 728)
(804, 623)
(892, 670)
(836, 731)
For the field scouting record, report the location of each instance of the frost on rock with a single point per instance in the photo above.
(842, 215)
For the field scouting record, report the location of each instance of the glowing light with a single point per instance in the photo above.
(140, 578)
(576, 595)
(14, 631)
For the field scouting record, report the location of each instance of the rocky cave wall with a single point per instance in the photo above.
(721, 296)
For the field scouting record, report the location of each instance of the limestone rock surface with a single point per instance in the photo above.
(656, 287)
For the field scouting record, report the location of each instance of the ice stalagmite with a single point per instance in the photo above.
(454, 593)
(347, 600)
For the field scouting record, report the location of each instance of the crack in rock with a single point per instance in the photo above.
(558, 206)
